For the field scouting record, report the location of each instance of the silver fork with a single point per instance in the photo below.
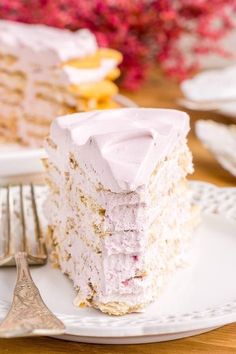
(21, 243)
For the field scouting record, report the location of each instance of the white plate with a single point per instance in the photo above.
(227, 109)
(17, 160)
(211, 90)
(200, 297)
(220, 139)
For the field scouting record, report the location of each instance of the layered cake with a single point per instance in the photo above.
(47, 72)
(119, 207)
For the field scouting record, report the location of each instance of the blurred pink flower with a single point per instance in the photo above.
(145, 31)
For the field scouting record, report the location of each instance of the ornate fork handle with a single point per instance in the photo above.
(28, 314)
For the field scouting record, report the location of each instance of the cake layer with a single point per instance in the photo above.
(8, 129)
(13, 80)
(10, 96)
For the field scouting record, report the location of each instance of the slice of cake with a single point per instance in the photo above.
(119, 207)
(46, 72)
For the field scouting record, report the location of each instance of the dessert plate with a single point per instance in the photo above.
(211, 90)
(18, 160)
(200, 297)
(220, 139)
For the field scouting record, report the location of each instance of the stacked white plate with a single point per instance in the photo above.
(220, 139)
(211, 90)
(214, 90)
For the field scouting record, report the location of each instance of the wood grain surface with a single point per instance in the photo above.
(157, 92)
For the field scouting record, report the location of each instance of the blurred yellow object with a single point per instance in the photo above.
(108, 104)
(85, 104)
(97, 90)
(107, 53)
(114, 74)
(94, 61)
(89, 62)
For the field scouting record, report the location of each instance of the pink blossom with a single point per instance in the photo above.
(144, 31)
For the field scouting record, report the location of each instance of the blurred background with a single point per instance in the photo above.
(177, 36)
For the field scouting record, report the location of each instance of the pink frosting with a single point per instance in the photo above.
(121, 146)
(43, 45)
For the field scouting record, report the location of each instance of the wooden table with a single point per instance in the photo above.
(157, 92)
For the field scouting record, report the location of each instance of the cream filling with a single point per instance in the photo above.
(9, 96)
(12, 80)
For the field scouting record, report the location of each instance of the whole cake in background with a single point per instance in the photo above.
(47, 72)
(119, 206)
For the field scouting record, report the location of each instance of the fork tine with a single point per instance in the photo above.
(16, 220)
(41, 244)
(6, 255)
(23, 245)
(4, 241)
(8, 228)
